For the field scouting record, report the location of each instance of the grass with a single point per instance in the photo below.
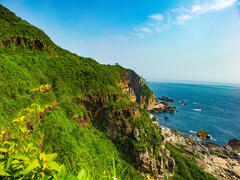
(27, 70)
(185, 168)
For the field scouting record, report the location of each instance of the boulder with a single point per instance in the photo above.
(154, 119)
(165, 99)
(234, 144)
(170, 164)
(167, 153)
(203, 135)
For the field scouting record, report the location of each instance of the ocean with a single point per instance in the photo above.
(214, 108)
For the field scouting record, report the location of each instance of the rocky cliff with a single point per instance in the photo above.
(130, 128)
(134, 86)
(221, 161)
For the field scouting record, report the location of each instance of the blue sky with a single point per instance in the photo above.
(191, 40)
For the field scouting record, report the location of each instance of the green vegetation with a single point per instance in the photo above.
(22, 158)
(50, 103)
(145, 91)
(185, 167)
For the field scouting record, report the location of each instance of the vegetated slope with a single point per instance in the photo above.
(86, 112)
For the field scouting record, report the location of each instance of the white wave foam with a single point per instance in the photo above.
(192, 131)
(151, 116)
(212, 138)
(198, 110)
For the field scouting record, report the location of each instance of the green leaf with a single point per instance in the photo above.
(7, 142)
(19, 167)
(4, 150)
(2, 165)
(23, 129)
(82, 175)
(51, 157)
(9, 162)
(21, 157)
(15, 162)
(3, 173)
(35, 164)
(53, 166)
(2, 156)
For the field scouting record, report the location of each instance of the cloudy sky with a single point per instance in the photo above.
(189, 40)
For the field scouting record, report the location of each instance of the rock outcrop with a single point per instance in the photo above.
(162, 107)
(203, 135)
(140, 142)
(221, 161)
(19, 41)
(234, 144)
(164, 99)
(136, 89)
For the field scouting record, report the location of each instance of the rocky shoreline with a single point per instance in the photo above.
(221, 161)
(162, 106)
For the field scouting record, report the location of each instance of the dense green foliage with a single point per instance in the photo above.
(40, 83)
(22, 158)
(25, 73)
(80, 147)
(185, 167)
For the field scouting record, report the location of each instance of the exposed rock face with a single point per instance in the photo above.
(17, 41)
(221, 161)
(118, 123)
(82, 120)
(148, 165)
(162, 107)
(164, 99)
(170, 164)
(133, 85)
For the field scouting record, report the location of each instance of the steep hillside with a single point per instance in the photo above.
(93, 116)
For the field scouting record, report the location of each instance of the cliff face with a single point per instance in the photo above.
(129, 128)
(135, 88)
(17, 41)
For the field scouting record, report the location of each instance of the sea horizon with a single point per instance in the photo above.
(210, 107)
(233, 84)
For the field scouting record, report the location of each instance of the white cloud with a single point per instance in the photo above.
(213, 5)
(180, 15)
(157, 17)
(182, 18)
(145, 30)
(198, 9)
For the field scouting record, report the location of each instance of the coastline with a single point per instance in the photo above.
(206, 108)
(221, 161)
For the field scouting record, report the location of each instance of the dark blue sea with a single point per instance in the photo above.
(213, 108)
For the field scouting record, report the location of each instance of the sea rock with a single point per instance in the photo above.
(162, 107)
(234, 144)
(203, 135)
(154, 119)
(183, 102)
(165, 99)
